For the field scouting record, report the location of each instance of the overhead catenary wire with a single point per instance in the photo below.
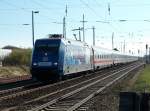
(28, 10)
(44, 6)
(100, 5)
(86, 4)
(16, 7)
(110, 24)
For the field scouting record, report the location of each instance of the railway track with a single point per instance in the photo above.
(54, 92)
(73, 100)
(12, 92)
(9, 83)
(14, 79)
(53, 87)
(24, 86)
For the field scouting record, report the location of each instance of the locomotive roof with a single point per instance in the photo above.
(83, 44)
(102, 49)
(68, 41)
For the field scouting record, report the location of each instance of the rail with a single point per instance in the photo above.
(48, 106)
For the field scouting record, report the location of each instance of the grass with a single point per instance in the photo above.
(13, 71)
(143, 82)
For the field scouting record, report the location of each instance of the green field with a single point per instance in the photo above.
(143, 82)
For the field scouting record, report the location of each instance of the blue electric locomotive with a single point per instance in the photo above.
(54, 57)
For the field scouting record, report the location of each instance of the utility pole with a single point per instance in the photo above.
(138, 53)
(79, 34)
(112, 40)
(33, 25)
(129, 51)
(146, 52)
(124, 47)
(149, 55)
(64, 22)
(121, 48)
(109, 8)
(93, 35)
(83, 28)
(64, 27)
(33, 28)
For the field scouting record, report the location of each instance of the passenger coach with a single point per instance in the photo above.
(102, 57)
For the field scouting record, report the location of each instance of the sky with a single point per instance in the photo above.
(133, 32)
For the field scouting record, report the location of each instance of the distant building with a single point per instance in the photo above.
(4, 53)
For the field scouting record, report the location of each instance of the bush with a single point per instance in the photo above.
(18, 57)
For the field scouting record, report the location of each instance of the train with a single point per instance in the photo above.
(56, 57)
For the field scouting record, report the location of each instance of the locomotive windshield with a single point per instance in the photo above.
(46, 48)
(51, 47)
(46, 51)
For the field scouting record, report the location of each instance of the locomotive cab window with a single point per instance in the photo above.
(41, 46)
(50, 48)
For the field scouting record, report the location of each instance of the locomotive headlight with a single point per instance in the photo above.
(55, 63)
(35, 64)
